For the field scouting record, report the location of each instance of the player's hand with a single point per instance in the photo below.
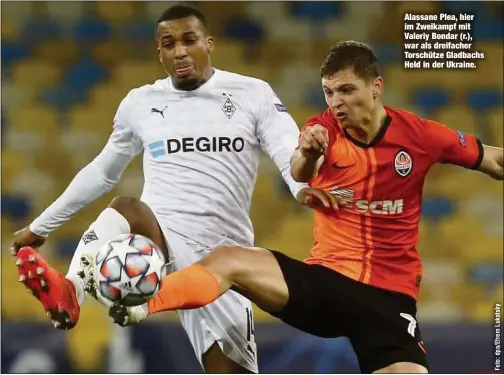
(25, 237)
(313, 141)
(127, 316)
(320, 199)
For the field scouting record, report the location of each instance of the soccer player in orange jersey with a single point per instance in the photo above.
(363, 276)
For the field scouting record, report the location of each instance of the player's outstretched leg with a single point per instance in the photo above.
(252, 272)
(62, 296)
(258, 275)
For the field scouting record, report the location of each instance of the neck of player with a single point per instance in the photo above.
(370, 126)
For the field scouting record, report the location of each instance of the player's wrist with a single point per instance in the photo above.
(300, 196)
(310, 155)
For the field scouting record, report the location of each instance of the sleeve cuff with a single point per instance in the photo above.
(297, 187)
(38, 231)
(481, 153)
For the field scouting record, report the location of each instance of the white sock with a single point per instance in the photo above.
(108, 224)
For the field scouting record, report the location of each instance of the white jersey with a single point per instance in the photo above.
(201, 152)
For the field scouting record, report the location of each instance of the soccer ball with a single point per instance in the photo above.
(129, 269)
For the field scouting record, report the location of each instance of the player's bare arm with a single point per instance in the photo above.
(307, 160)
(305, 164)
(492, 163)
(278, 134)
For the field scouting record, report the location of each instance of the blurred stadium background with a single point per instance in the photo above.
(67, 65)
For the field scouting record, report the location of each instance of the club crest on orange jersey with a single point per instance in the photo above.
(403, 163)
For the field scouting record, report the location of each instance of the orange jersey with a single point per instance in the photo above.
(373, 239)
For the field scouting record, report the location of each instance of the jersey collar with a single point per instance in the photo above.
(378, 137)
(207, 85)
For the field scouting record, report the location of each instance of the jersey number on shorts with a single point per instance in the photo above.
(251, 347)
(412, 323)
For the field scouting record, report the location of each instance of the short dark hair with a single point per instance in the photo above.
(179, 11)
(350, 54)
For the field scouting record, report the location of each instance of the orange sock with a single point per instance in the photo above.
(189, 288)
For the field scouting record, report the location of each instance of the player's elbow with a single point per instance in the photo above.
(300, 179)
(228, 264)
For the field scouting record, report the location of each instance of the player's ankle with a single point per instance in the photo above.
(145, 309)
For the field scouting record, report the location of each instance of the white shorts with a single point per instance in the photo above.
(227, 321)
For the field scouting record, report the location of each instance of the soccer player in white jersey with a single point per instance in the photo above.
(201, 131)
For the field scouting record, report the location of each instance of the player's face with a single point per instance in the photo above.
(184, 50)
(351, 98)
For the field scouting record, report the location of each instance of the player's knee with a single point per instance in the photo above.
(227, 260)
(128, 207)
(403, 368)
(123, 204)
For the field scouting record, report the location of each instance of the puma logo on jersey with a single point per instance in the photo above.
(161, 112)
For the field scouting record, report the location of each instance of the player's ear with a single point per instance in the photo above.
(377, 87)
(210, 44)
(159, 55)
